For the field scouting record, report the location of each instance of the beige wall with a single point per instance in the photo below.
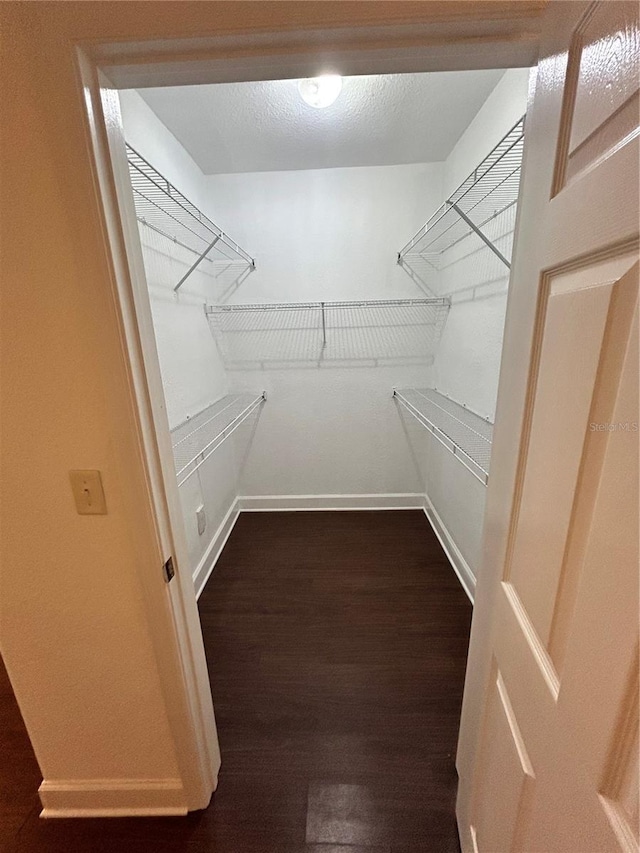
(75, 626)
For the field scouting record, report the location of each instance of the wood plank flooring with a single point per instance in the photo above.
(336, 644)
(19, 771)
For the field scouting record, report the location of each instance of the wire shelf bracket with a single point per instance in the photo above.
(490, 190)
(196, 439)
(462, 432)
(480, 234)
(163, 208)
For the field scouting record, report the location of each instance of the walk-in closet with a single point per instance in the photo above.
(327, 266)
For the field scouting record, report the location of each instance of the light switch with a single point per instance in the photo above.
(88, 492)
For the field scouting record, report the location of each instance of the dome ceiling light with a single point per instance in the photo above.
(320, 92)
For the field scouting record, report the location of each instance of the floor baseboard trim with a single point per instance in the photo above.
(112, 798)
(211, 555)
(459, 564)
(328, 503)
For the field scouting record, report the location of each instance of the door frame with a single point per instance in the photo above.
(105, 67)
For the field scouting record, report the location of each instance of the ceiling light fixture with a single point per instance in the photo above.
(320, 92)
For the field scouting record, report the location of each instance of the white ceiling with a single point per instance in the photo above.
(376, 121)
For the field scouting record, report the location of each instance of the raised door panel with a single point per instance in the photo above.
(585, 749)
(620, 789)
(602, 88)
(575, 314)
(505, 778)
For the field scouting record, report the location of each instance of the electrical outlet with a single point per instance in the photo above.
(201, 519)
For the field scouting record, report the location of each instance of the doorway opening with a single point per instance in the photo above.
(327, 287)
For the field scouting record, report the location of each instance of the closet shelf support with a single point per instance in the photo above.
(480, 234)
(324, 326)
(195, 264)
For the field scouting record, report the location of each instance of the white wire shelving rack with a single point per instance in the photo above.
(163, 209)
(464, 433)
(196, 439)
(488, 192)
(328, 333)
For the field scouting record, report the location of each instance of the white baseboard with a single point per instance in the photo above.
(298, 503)
(211, 555)
(458, 562)
(112, 798)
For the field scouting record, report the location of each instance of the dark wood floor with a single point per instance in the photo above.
(336, 645)
(19, 772)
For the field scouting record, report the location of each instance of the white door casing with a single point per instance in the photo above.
(548, 750)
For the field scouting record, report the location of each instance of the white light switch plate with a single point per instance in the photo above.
(88, 492)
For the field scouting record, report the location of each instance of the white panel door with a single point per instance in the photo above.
(548, 751)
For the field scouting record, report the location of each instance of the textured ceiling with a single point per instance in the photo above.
(376, 121)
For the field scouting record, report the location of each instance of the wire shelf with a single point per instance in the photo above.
(328, 333)
(163, 209)
(197, 438)
(489, 191)
(461, 431)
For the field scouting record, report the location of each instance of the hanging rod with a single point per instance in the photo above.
(162, 207)
(464, 434)
(490, 190)
(205, 436)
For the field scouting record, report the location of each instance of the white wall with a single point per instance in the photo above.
(467, 363)
(192, 371)
(193, 374)
(505, 105)
(150, 137)
(327, 233)
(330, 234)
